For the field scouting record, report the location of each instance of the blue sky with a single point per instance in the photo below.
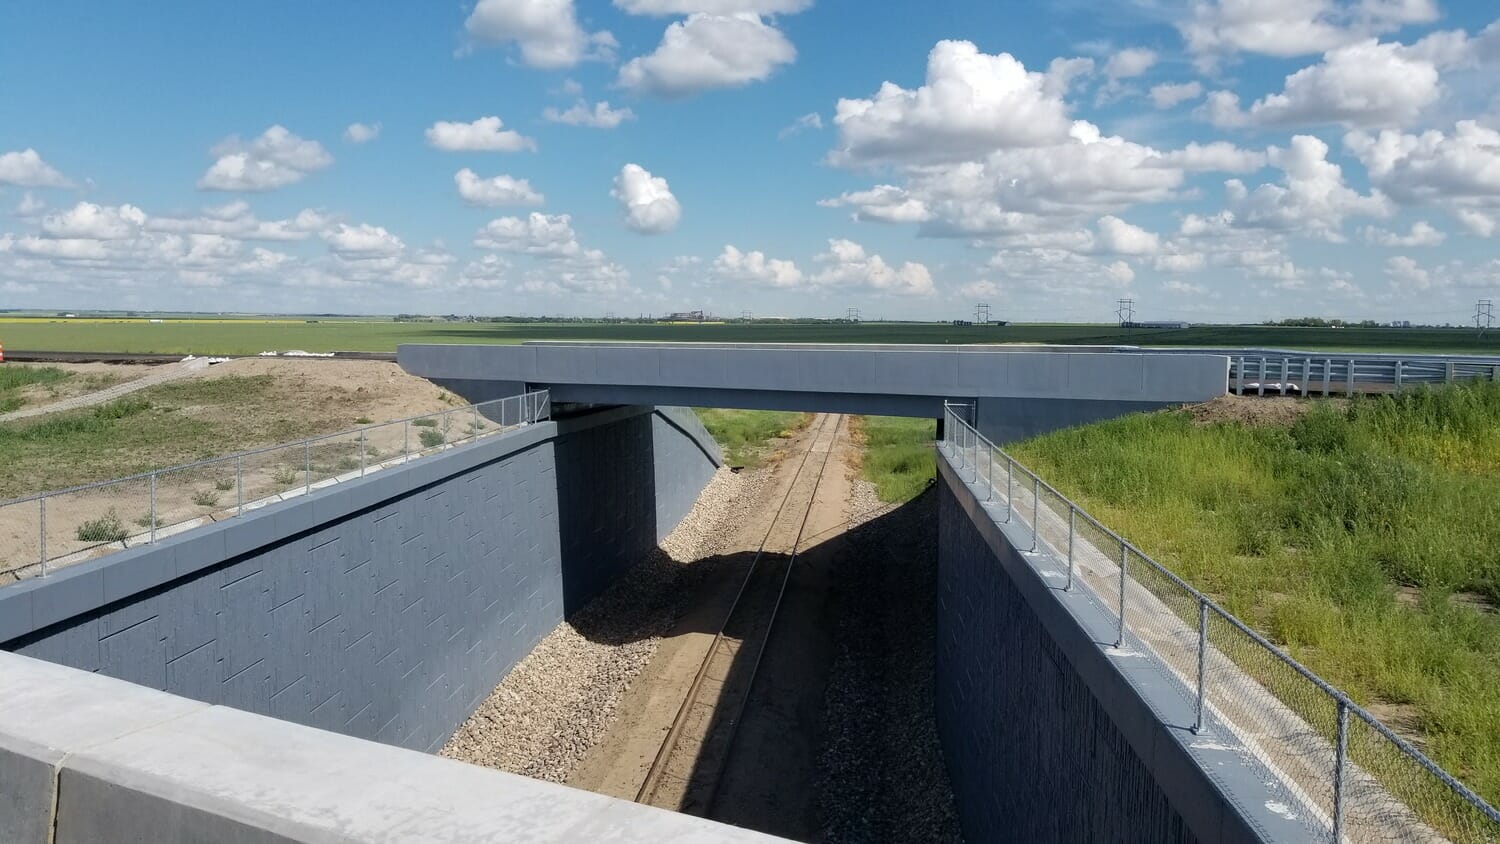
(1212, 159)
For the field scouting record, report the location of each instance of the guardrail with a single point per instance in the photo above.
(1285, 372)
(46, 530)
(1356, 779)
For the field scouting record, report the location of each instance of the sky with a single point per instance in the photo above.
(1213, 160)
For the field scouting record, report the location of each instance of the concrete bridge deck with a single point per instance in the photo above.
(1016, 391)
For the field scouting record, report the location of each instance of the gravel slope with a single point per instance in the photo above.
(558, 701)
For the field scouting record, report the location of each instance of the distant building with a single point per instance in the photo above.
(1157, 324)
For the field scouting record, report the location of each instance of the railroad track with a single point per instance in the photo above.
(689, 765)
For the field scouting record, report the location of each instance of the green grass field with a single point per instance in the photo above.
(749, 436)
(898, 456)
(1364, 538)
(248, 336)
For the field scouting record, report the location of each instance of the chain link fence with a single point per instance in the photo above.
(45, 531)
(1330, 763)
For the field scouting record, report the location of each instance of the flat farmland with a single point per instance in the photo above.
(250, 336)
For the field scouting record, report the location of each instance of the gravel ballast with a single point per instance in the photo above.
(883, 777)
(560, 700)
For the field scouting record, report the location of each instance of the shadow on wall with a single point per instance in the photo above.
(606, 505)
(846, 673)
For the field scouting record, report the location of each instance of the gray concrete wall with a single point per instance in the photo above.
(86, 758)
(386, 608)
(1051, 734)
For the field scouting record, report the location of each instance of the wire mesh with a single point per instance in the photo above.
(1271, 711)
(41, 532)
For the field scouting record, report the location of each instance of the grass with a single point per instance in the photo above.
(747, 436)
(106, 528)
(1364, 538)
(164, 425)
(898, 457)
(14, 377)
(431, 438)
(248, 336)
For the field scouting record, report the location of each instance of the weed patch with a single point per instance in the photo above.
(898, 457)
(747, 436)
(106, 528)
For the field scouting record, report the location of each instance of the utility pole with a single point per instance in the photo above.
(1484, 316)
(982, 314)
(1126, 312)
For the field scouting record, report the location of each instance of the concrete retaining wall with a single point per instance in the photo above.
(85, 759)
(385, 608)
(1048, 731)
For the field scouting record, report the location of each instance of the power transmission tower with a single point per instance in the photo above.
(852, 315)
(1126, 312)
(745, 315)
(1484, 316)
(982, 314)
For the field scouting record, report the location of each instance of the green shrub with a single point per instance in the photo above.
(224, 484)
(432, 438)
(285, 475)
(363, 420)
(425, 422)
(106, 528)
(205, 498)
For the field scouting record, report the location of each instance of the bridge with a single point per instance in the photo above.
(1014, 392)
(284, 673)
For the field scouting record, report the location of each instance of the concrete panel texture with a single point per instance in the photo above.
(86, 758)
(386, 608)
(1052, 734)
(957, 371)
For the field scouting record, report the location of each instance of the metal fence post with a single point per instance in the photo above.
(1448, 371)
(1285, 365)
(153, 508)
(307, 463)
(1010, 487)
(989, 472)
(361, 452)
(1124, 563)
(1072, 527)
(42, 531)
(1202, 658)
(476, 421)
(1260, 383)
(239, 485)
(1036, 498)
(1398, 375)
(1349, 380)
(405, 440)
(1341, 756)
(1327, 375)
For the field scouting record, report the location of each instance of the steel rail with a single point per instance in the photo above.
(651, 785)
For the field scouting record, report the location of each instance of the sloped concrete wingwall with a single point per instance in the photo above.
(385, 608)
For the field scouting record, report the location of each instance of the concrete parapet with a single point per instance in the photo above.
(85, 758)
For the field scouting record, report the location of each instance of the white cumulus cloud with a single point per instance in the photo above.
(846, 264)
(1118, 237)
(361, 133)
(487, 134)
(1312, 197)
(25, 168)
(1169, 94)
(363, 241)
(598, 116)
(95, 222)
(274, 159)
(1363, 84)
(1286, 28)
(495, 191)
(712, 7)
(705, 52)
(1422, 234)
(546, 31)
(755, 268)
(648, 203)
(972, 103)
(1130, 63)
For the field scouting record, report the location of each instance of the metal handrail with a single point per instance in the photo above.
(530, 407)
(1345, 705)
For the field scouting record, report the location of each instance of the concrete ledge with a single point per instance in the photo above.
(1217, 795)
(86, 758)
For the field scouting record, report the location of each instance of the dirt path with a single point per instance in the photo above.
(154, 375)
